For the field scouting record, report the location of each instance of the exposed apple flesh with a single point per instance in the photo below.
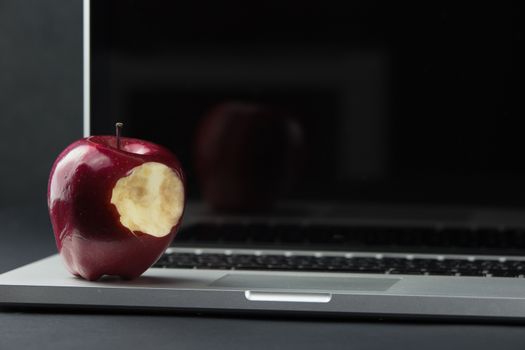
(150, 199)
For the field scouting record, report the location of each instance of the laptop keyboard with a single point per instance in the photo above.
(349, 239)
(376, 265)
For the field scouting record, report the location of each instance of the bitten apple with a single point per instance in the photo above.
(115, 205)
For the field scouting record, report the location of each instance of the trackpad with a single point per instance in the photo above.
(309, 283)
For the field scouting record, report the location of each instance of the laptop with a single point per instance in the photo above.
(404, 195)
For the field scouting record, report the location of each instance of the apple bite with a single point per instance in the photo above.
(149, 199)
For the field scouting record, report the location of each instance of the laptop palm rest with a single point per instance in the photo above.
(314, 284)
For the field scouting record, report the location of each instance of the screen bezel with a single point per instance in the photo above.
(86, 68)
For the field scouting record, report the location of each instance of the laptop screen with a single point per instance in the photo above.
(347, 101)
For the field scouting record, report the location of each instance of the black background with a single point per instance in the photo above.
(40, 113)
(40, 93)
(445, 80)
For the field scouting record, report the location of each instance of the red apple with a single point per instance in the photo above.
(246, 155)
(114, 206)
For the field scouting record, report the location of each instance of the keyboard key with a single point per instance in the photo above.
(406, 272)
(472, 273)
(504, 273)
(440, 272)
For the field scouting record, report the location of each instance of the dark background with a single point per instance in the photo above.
(418, 102)
(40, 92)
(40, 113)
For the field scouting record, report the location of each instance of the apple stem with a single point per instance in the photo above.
(118, 129)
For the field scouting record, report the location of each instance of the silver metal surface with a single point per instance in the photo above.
(318, 283)
(288, 297)
(86, 68)
(46, 282)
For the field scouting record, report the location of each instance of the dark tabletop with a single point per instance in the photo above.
(27, 236)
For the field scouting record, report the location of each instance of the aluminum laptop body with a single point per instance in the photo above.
(408, 201)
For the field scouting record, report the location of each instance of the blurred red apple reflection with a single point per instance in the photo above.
(246, 156)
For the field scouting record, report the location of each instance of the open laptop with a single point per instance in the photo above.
(409, 200)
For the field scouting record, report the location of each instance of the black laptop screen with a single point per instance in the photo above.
(320, 100)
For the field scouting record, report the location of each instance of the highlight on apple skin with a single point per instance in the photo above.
(115, 205)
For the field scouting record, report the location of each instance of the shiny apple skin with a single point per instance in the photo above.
(88, 232)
